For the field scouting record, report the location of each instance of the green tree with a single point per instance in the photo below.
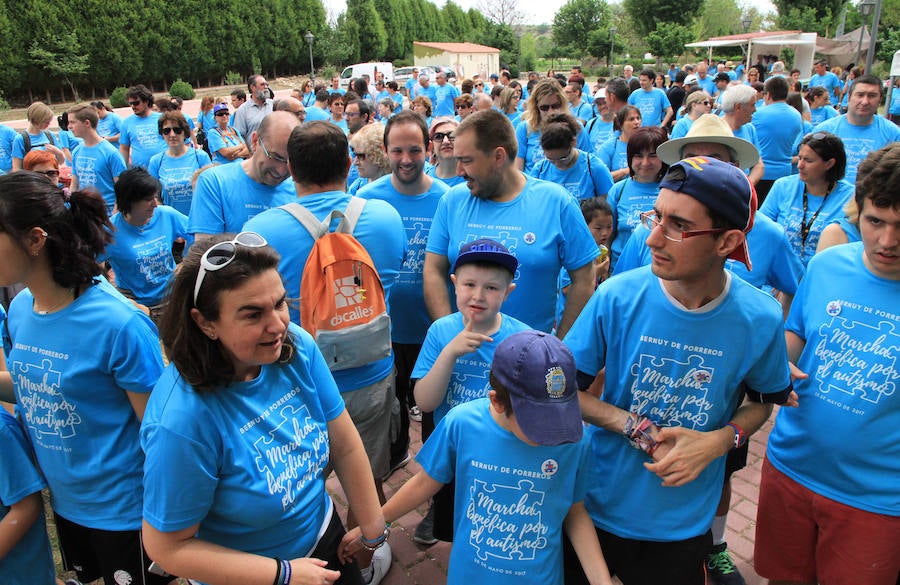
(668, 40)
(395, 15)
(576, 20)
(60, 56)
(805, 19)
(456, 24)
(341, 42)
(718, 18)
(371, 32)
(646, 14)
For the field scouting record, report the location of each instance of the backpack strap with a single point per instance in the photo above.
(587, 157)
(26, 140)
(349, 217)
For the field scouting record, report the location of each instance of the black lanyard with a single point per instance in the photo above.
(805, 227)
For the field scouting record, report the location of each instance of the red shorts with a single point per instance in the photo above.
(804, 537)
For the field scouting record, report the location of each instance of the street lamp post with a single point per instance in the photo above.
(873, 37)
(612, 42)
(865, 9)
(312, 70)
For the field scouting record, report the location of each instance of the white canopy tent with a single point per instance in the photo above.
(768, 43)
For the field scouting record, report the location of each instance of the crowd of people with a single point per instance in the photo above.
(590, 294)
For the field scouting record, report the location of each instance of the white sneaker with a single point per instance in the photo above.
(381, 564)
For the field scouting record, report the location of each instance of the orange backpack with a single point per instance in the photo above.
(342, 302)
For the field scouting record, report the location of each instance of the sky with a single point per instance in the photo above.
(536, 11)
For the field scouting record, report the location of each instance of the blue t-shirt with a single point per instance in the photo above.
(859, 141)
(226, 197)
(110, 126)
(829, 81)
(542, 227)
(442, 102)
(530, 149)
(848, 406)
(470, 378)
(176, 174)
(409, 317)
(628, 200)
(894, 109)
(97, 167)
(453, 181)
(583, 111)
(142, 135)
(707, 84)
(29, 562)
(315, 113)
(218, 139)
(379, 230)
(38, 142)
(511, 498)
(599, 131)
(784, 204)
(206, 120)
(7, 136)
(614, 153)
(142, 256)
(252, 455)
(65, 139)
(819, 115)
(681, 127)
(72, 370)
(774, 262)
(342, 124)
(428, 92)
(777, 126)
(587, 178)
(652, 104)
(679, 368)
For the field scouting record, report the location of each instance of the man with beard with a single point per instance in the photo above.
(537, 221)
(227, 196)
(251, 113)
(415, 196)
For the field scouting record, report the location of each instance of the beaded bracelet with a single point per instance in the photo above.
(376, 543)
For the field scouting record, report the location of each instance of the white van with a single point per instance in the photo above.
(369, 69)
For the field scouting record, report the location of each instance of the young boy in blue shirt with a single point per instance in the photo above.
(455, 360)
(520, 459)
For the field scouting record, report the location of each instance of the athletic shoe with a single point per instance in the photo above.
(381, 563)
(424, 533)
(415, 414)
(720, 567)
(395, 465)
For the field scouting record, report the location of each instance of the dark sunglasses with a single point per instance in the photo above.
(167, 131)
(221, 113)
(548, 107)
(134, 103)
(439, 137)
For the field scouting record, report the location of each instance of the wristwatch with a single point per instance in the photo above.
(740, 438)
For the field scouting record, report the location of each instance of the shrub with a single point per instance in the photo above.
(117, 99)
(233, 78)
(182, 89)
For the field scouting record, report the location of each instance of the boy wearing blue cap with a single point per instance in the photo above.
(520, 460)
(677, 338)
(455, 360)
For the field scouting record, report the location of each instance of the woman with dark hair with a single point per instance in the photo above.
(109, 124)
(547, 98)
(249, 415)
(614, 151)
(336, 106)
(637, 193)
(804, 204)
(582, 173)
(82, 364)
(422, 105)
(141, 253)
(175, 166)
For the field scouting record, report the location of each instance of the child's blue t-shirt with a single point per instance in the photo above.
(29, 562)
(469, 380)
(587, 178)
(511, 498)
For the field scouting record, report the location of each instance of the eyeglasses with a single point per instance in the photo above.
(360, 156)
(479, 85)
(222, 113)
(548, 107)
(169, 130)
(50, 173)
(351, 114)
(439, 137)
(651, 222)
(562, 159)
(220, 255)
(275, 157)
(705, 102)
(134, 103)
